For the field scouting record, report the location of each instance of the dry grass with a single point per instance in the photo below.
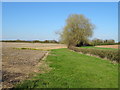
(108, 46)
(34, 45)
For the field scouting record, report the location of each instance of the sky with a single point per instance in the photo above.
(40, 20)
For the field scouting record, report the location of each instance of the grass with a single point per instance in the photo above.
(73, 70)
(31, 49)
(92, 47)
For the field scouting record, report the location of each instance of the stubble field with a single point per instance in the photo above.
(109, 46)
(19, 60)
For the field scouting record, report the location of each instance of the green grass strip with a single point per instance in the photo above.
(73, 70)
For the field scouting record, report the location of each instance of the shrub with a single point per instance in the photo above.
(109, 54)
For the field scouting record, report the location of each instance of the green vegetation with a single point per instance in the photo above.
(103, 42)
(73, 70)
(77, 30)
(32, 49)
(92, 47)
(102, 53)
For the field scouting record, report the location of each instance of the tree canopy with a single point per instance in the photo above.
(77, 30)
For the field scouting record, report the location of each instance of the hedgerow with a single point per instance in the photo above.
(109, 54)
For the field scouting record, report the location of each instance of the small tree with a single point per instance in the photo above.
(110, 41)
(97, 41)
(77, 30)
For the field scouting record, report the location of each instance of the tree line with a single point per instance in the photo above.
(102, 42)
(33, 41)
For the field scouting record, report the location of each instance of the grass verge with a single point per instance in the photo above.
(102, 53)
(92, 47)
(73, 70)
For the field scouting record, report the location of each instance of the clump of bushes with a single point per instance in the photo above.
(96, 41)
(109, 54)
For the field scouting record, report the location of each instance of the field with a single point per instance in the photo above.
(37, 65)
(19, 60)
(108, 46)
(73, 70)
(33, 45)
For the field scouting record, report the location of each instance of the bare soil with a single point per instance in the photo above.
(108, 46)
(34, 45)
(18, 64)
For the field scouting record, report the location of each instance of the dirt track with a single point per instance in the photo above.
(108, 46)
(18, 64)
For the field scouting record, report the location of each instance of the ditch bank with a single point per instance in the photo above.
(112, 55)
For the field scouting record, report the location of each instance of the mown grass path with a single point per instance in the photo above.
(73, 70)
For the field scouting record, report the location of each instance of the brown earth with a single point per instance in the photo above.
(34, 45)
(108, 46)
(18, 64)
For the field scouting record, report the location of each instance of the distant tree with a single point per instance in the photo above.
(18, 40)
(53, 41)
(110, 41)
(97, 41)
(105, 41)
(36, 41)
(102, 42)
(77, 30)
(46, 41)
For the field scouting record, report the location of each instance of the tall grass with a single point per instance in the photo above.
(102, 53)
